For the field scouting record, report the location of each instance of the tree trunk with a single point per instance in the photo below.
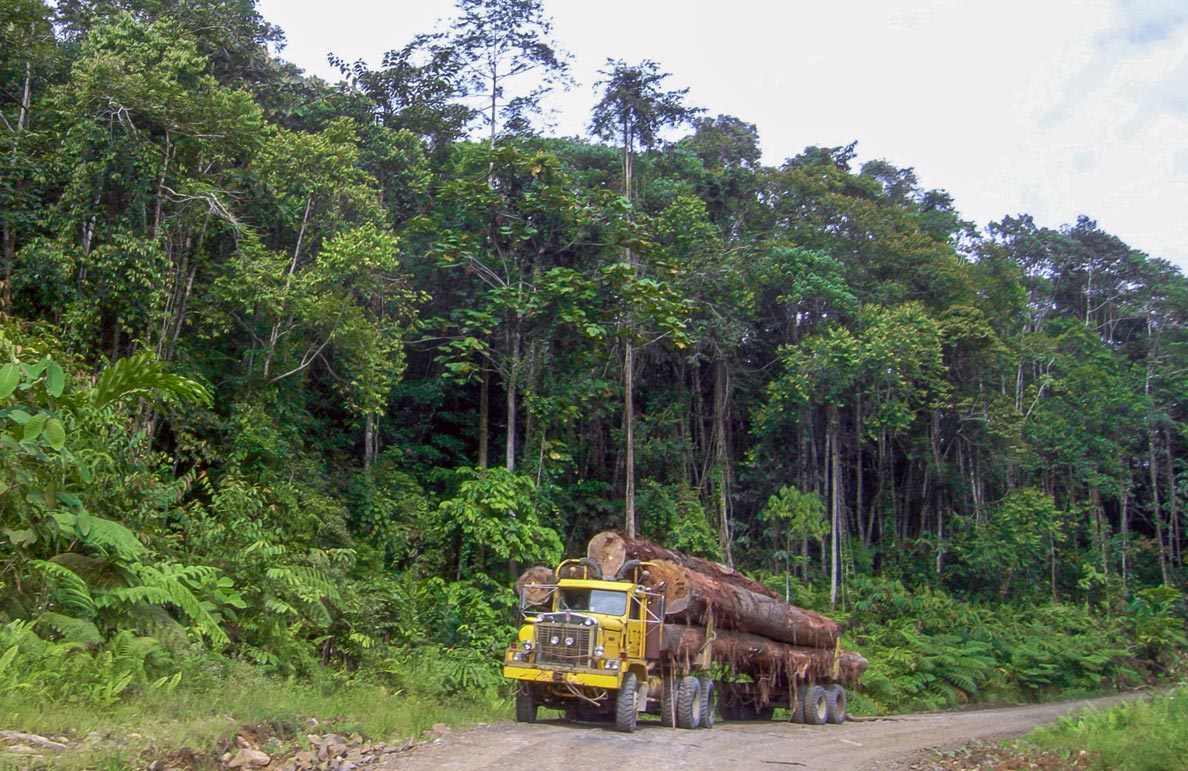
(721, 397)
(484, 427)
(513, 377)
(835, 495)
(274, 334)
(731, 607)
(629, 433)
(1173, 507)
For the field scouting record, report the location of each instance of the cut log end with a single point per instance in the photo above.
(535, 586)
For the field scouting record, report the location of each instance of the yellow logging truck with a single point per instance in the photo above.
(615, 646)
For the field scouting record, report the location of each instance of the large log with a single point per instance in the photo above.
(611, 550)
(760, 657)
(535, 586)
(729, 606)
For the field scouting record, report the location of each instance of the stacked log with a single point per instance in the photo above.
(702, 592)
(611, 550)
(749, 654)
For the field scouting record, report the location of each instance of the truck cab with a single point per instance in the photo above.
(581, 643)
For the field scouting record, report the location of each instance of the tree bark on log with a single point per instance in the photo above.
(758, 657)
(610, 550)
(697, 598)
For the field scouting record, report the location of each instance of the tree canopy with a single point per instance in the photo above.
(258, 331)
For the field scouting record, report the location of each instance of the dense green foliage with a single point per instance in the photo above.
(258, 334)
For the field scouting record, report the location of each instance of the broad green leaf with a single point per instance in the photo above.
(55, 379)
(69, 498)
(21, 537)
(34, 426)
(18, 416)
(33, 371)
(83, 524)
(10, 378)
(55, 433)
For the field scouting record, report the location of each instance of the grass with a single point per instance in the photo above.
(1146, 735)
(193, 725)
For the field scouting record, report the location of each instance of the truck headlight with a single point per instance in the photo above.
(526, 645)
(598, 651)
(611, 664)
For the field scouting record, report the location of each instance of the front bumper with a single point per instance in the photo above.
(589, 679)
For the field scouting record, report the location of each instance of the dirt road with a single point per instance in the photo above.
(884, 743)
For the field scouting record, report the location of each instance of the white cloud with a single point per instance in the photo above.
(1053, 108)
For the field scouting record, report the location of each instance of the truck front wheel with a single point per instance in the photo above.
(626, 704)
(525, 705)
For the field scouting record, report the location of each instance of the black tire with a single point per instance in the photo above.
(796, 704)
(835, 704)
(626, 704)
(525, 705)
(668, 702)
(812, 705)
(709, 702)
(689, 703)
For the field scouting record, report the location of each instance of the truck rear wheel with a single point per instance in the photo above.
(689, 703)
(709, 702)
(813, 709)
(626, 704)
(525, 705)
(835, 703)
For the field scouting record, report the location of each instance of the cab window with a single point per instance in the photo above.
(594, 601)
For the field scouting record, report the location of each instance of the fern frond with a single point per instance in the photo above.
(107, 535)
(143, 376)
(69, 589)
(73, 629)
(168, 578)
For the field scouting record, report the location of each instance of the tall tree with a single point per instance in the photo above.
(509, 60)
(634, 109)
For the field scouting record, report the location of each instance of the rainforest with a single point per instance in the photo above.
(296, 377)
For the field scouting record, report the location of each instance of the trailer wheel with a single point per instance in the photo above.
(835, 703)
(709, 702)
(668, 702)
(796, 703)
(525, 705)
(626, 704)
(813, 710)
(689, 703)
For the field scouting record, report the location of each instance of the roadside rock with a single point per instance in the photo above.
(16, 739)
(249, 758)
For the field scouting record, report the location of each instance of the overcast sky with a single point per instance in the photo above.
(1053, 108)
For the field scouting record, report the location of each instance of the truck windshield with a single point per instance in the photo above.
(594, 601)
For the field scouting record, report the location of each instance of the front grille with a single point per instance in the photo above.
(568, 645)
